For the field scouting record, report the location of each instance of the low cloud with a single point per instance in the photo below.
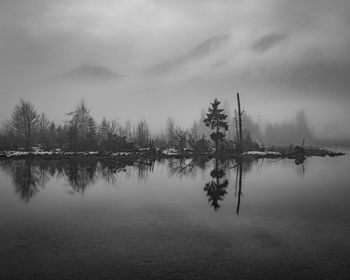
(281, 52)
(267, 42)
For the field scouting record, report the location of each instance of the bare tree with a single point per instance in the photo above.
(43, 123)
(142, 133)
(170, 131)
(24, 120)
(114, 127)
(81, 130)
(128, 132)
(81, 117)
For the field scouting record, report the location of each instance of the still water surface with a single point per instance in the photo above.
(175, 219)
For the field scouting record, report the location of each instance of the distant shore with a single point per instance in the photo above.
(274, 152)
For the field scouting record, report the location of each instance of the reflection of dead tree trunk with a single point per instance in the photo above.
(239, 175)
(236, 183)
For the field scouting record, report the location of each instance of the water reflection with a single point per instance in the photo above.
(79, 175)
(29, 176)
(143, 167)
(184, 167)
(216, 188)
(238, 182)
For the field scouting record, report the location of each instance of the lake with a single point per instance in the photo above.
(175, 219)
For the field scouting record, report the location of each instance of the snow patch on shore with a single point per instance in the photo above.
(261, 153)
(170, 152)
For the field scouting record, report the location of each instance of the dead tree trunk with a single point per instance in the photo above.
(240, 124)
(236, 123)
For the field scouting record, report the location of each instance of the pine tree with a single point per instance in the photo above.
(104, 129)
(91, 127)
(216, 120)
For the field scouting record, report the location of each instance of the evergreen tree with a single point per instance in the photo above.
(72, 136)
(60, 136)
(91, 134)
(52, 135)
(104, 129)
(216, 120)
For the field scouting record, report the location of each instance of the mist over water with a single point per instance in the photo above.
(174, 139)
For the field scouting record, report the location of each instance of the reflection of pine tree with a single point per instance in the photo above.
(216, 188)
(216, 192)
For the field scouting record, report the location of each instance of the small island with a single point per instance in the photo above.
(31, 135)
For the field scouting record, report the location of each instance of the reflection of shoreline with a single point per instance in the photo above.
(29, 176)
(26, 177)
(216, 188)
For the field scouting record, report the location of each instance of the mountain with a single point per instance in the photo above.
(92, 72)
(201, 51)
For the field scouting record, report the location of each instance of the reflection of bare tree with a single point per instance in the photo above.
(144, 167)
(216, 188)
(80, 175)
(186, 167)
(27, 177)
(108, 170)
(109, 175)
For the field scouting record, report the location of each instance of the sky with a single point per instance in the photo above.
(282, 56)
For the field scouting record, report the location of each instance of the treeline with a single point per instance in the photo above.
(26, 129)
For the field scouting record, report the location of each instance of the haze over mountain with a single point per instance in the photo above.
(282, 56)
(201, 51)
(91, 72)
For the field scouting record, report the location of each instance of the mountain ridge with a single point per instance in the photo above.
(93, 72)
(200, 51)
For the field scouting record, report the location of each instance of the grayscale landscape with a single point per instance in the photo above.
(187, 139)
